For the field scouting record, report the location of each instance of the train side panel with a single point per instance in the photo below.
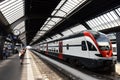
(73, 47)
(53, 48)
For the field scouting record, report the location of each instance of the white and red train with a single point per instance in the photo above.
(89, 48)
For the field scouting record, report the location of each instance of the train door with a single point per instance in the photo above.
(84, 49)
(60, 55)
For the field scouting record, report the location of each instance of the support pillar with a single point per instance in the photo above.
(118, 45)
(2, 40)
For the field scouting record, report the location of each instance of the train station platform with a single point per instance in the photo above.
(117, 67)
(11, 69)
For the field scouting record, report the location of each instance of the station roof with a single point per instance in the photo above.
(39, 20)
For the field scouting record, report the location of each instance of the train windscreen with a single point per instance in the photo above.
(103, 42)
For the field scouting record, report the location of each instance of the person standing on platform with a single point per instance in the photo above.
(5, 53)
(16, 51)
(21, 55)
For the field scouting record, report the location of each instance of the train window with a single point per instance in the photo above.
(91, 47)
(104, 47)
(56, 50)
(84, 46)
(67, 46)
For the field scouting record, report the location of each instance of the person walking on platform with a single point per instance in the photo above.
(21, 55)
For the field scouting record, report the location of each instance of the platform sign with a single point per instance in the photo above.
(14, 37)
(10, 36)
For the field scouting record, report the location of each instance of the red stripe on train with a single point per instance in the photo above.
(46, 52)
(60, 55)
(105, 53)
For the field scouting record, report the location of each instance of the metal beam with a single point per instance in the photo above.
(3, 19)
(111, 30)
(36, 16)
(86, 25)
(3, 25)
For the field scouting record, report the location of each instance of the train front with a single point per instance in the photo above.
(105, 49)
(104, 45)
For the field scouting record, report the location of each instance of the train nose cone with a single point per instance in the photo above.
(106, 53)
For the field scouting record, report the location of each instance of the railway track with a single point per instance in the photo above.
(48, 71)
(79, 73)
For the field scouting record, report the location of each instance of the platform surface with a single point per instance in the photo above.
(11, 69)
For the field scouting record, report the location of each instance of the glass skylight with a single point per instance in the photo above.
(58, 36)
(67, 32)
(39, 33)
(64, 8)
(118, 11)
(23, 40)
(45, 29)
(12, 9)
(74, 30)
(48, 39)
(36, 37)
(22, 36)
(54, 37)
(78, 28)
(108, 20)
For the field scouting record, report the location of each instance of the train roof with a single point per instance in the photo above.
(94, 33)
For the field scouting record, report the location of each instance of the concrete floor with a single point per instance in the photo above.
(10, 69)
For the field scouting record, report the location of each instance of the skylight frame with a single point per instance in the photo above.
(10, 7)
